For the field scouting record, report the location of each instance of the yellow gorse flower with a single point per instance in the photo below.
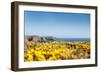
(40, 51)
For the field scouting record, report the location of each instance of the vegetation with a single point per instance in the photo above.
(53, 50)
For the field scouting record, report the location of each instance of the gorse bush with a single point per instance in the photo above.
(45, 51)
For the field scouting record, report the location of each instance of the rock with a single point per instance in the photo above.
(36, 38)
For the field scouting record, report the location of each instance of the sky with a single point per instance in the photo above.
(57, 24)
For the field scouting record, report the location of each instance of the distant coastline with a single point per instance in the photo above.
(36, 38)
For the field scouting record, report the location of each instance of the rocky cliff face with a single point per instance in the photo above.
(40, 38)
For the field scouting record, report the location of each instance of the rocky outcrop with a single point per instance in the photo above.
(35, 38)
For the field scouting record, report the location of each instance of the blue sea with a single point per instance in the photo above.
(73, 39)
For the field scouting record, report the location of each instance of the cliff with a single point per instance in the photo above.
(36, 38)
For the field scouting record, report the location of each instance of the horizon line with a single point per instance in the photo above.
(57, 37)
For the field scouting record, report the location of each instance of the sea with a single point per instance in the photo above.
(73, 39)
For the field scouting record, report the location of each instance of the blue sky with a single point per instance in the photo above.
(62, 25)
